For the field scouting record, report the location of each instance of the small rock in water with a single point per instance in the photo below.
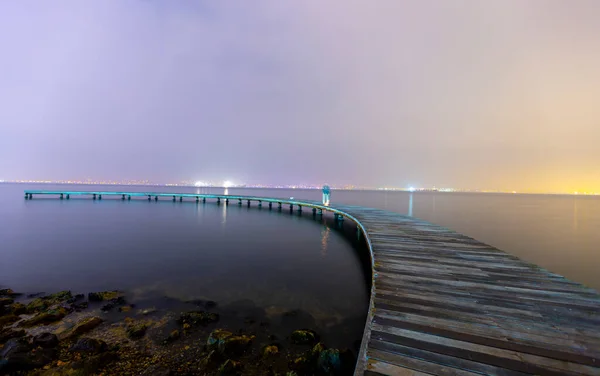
(198, 317)
(270, 350)
(173, 336)
(89, 345)
(45, 302)
(112, 303)
(104, 295)
(9, 293)
(44, 318)
(217, 338)
(136, 330)
(126, 308)
(304, 337)
(46, 340)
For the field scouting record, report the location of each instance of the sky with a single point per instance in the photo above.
(496, 94)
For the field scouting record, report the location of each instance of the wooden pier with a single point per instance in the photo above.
(445, 304)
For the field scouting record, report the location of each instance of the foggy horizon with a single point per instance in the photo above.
(498, 95)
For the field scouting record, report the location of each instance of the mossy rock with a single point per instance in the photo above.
(270, 350)
(104, 295)
(8, 319)
(329, 361)
(137, 330)
(43, 303)
(235, 345)
(317, 349)
(8, 292)
(84, 326)
(198, 318)
(44, 318)
(18, 308)
(216, 338)
(8, 333)
(173, 336)
(304, 337)
(230, 367)
(6, 301)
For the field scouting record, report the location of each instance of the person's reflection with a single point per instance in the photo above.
(410, 205)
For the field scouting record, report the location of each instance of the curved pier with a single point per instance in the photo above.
(445, 304)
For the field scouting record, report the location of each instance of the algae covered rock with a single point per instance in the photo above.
(104, 295)
(84, 325)
(45, 302)
(236, 345)
(197, 318)
(46, 340)
(136, 330)
(173, 336)
(44, 318)
(18, 308)
(216, 338)
(304, 337)
(8, 333)
(329, 361)
(302, 364)
(8, 319)
(270, 350)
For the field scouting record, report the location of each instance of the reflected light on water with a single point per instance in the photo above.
(410, 205)
(324, 240)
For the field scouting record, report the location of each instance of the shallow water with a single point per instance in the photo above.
(252, 261)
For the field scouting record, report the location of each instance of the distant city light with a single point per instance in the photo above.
(411, 189)
(227, 184)
(200, 184)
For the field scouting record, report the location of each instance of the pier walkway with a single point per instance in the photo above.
(445, 304)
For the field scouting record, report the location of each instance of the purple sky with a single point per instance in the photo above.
(481, 94)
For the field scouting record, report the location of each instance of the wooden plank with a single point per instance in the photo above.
(415, 364)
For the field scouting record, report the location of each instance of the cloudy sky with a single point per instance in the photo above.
(497, 94)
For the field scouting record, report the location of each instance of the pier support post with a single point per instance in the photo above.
(197, 199)
(226, 201)
(128, 197)
(94, 197)
(239, 201)
(68, 196)
(218, 200)
(123, 197)
(155, 198)
(314, 210)
(26, 196)
(99, 197)
(279, 205)
(270, 205)
(300, 208)
(149, 197)
(259, 204)
(180, 198)
(320, 211)
(173, 198)
(291, 208)
(203, 200)
(61, 196)
(31, 196)
(248, 203)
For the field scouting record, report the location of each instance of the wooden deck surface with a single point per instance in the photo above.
(445, 304)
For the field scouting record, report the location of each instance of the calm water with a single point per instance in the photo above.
(245, 258)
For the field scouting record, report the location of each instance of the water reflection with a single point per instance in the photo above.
(410, 205)
(575, 216)
(324, 240)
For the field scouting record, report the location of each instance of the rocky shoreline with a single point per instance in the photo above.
(103, 334)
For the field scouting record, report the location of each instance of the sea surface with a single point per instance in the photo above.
(266, 266)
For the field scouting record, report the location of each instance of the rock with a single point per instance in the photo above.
(270, 350)
(126, 308)
(304, 337)
(17, 356)
(210, 360)
(9, 293)
(44, 318)
(6, 301)
(46, 340)
(198, 318)
(316, 350)
(43, 303)
(230, 367)
(112, 303)
(18, 308)
(8, 319)
(8, 333)
(235, 345)
(79, 306)
(186, 326)
(329, 361)
(89, 345)
(147, 311)
(84, 326)
(216, 338)
(76, 298)
(136, 330)
(104, 295)
(174, 335)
